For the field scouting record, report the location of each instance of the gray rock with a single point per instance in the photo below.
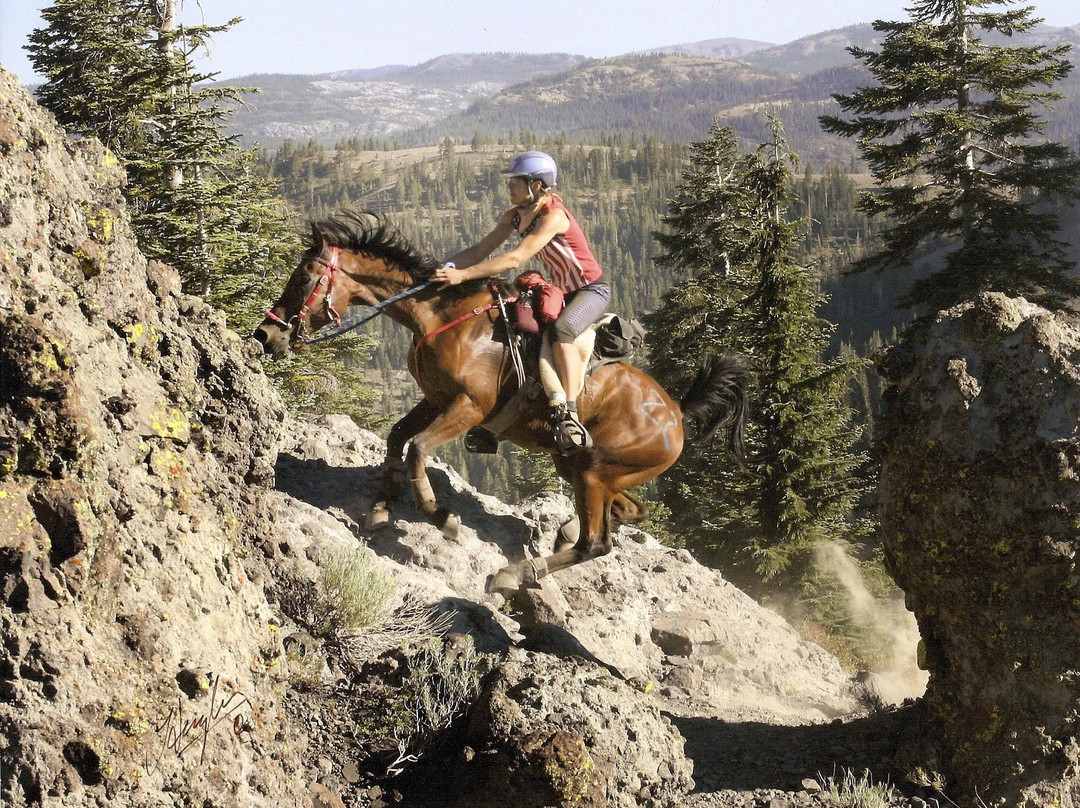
(980, 496)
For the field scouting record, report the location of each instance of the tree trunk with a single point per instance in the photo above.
(174, 175)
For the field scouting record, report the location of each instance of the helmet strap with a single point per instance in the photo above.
(532, 194)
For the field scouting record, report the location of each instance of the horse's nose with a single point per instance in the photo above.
(260, 334)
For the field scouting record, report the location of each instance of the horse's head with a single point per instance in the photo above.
(354, 260)
(310, 301)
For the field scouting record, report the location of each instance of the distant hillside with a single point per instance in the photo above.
(380, 101)
(669, 97)
(671, 93)
(502, 69)
(724, 48)
(829, 48)
(817, 52)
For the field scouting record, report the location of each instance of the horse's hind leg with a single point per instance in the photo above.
(392, 482)
(593, 498)
(626, 509)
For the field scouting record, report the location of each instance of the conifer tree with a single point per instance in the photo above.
(950, 134)
(122, 71)
(98, 81)
(727, 226)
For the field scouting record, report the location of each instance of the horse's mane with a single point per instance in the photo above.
(370, 233)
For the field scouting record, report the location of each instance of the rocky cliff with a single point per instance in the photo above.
(136, 446)
(162, 517)
(981, 515)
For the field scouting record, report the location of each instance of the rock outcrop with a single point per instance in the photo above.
(135, 447)
(981, 514)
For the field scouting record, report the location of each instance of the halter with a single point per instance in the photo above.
(339, 326)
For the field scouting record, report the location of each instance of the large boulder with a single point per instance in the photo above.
(546, 731)
(980, 505)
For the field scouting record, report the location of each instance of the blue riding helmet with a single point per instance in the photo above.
(534, 165)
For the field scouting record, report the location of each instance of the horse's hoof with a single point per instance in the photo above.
(450, 525)
(505, 582)
(568, 534)
(377, 517)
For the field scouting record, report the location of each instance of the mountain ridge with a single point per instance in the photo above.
(460, 95)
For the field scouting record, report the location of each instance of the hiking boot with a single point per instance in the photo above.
(570, 434)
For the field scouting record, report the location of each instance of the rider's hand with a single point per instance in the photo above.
(448, 275)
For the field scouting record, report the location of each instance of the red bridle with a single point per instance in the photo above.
(324, 284)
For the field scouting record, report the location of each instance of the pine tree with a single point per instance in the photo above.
(727, 225)
(949, 133)
(122, 71)
(98, 80)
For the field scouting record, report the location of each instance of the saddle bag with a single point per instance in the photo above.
(525, 319)
(539, 302)
(619, 338)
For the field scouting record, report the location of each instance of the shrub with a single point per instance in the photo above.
(353, 593)
(409, 718)
(859, 792)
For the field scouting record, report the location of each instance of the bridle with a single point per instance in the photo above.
(298, 338)
(295, 325)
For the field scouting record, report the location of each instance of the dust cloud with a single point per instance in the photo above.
(900, 677)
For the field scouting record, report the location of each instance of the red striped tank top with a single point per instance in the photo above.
(567, 258)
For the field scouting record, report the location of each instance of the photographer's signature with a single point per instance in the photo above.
(180, 733)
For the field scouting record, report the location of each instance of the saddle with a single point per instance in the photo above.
(610, 339)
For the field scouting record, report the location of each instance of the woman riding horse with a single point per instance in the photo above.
(459, 360)
(549, 232)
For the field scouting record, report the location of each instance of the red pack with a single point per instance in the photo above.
(544, 300)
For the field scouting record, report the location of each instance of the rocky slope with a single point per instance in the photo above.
(161, 519)
(135, 443)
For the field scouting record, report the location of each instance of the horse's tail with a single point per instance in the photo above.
(718, 399)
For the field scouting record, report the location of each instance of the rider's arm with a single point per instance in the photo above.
(554, 223)
(482, 249)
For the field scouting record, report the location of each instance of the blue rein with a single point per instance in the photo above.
(363, 316)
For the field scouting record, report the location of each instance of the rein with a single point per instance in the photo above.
(339, 325)
(363, 316)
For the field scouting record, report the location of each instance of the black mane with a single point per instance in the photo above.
(373, 235)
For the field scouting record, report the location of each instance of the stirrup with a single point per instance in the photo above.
(481, 441)
(570, 434)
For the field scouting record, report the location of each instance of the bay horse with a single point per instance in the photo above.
(459, 361)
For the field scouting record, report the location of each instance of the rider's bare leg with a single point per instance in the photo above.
(568, 364)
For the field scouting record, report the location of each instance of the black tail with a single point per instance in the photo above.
(717, 399)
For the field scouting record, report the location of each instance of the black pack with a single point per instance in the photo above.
(620, 338)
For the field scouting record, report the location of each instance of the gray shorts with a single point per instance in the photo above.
(583, 308)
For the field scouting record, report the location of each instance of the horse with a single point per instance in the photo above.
(458, 359)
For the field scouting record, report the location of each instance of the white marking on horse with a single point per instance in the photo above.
(664, 426)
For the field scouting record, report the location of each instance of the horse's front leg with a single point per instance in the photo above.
(392, 482)
(459, 418)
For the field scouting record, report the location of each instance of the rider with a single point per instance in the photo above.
(550, 233)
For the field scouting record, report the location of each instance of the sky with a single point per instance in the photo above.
(320, 36)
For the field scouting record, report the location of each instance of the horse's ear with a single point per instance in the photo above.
(316, 234)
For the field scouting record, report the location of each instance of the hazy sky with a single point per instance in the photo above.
(319, 36)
